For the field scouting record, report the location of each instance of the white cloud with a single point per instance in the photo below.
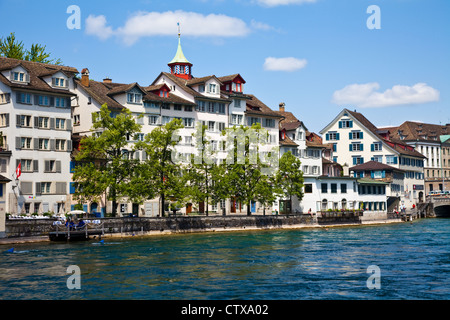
(366, 95)
(274, 3)
(148, 24)
(284, 64)
(260, 25)
(96, 25)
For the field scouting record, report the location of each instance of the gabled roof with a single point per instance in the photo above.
(231, 78)
(195, 81)
(257, 107)
(37, 71)
(99, 92)
(287, 142)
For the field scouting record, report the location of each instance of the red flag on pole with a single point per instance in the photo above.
(19, 170)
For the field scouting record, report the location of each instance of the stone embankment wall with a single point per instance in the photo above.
(41, 227)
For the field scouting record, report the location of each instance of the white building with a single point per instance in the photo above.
(36, 127)
(356, 140)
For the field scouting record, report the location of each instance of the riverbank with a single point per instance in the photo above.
(26, 231)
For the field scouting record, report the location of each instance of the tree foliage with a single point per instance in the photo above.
(12, 48)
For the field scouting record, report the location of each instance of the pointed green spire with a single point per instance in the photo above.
(179, 56)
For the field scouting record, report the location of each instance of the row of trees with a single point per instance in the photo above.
(104, 168)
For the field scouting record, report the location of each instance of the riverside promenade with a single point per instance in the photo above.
(37, 230)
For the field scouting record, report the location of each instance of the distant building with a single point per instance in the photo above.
(432, 141)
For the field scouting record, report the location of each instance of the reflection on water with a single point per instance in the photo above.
(285, 264)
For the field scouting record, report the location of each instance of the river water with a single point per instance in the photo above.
(413, 261)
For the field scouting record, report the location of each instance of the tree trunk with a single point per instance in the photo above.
(163, 200)
(249, 213)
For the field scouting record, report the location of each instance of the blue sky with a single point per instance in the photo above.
(316, 56)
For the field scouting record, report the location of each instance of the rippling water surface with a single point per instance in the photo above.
(414, 261)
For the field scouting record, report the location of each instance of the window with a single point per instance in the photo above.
(25, 121)
(211, 125)
(253, 120)
(24, 98)
(355, 135)
(237, 103)
(358, 160)
(270, 123)
(60, 124)
(165, 106)
(60, 145)
(308, 188)
(377, 146)
(43, 122)
(4, 119)
(177, 107)
(377, 158)
(324, 187)
(332, 136)
(153, 120)
(201, 88)
(25, 143)
(356, 147)
(201, 106)
(391, 160)
(343, 188)
(59, 82)
(43, 101)
(333, 188)
(150, 105)
(27, 165)
(188, 140)
(61, 102)
(188, 108)
(76, 119)
(20, 76)
(221, 108)
(165, 119)
(220, 126)
(346, 124)
(189, 122)
(237, 118)
(44, 144)
(5, 98)
(45, 187)
(211, 107)
(212, 88)
(134, 97)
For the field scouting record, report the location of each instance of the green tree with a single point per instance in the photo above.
(248, 176)
(12, 48)
(108, 166)
(289, 177)
(160, 175)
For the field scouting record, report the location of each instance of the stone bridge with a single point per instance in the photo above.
(436, 206)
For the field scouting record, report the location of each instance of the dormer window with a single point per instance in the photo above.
(59, 82)
(163, 93)
(134, 97)
(237, 87)
(212, 88)
(20, 77)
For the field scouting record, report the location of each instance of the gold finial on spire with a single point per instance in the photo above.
(179, 33)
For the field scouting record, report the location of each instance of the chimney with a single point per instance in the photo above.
(107, 80)
(85, 77)
(281, 105)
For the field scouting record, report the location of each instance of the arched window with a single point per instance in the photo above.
(344, 204)
(324, 204)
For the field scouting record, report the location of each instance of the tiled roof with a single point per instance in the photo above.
(288, 142)
(231, 77)
(397, 145)
(416, 131)
(37, 72)
(99, 92)
(259, 108)
(373, 165)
